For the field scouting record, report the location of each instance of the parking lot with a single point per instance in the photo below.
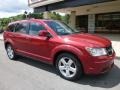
(27, 74)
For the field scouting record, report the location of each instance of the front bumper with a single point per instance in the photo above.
(99, 65)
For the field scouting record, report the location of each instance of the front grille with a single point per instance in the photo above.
(109, 50)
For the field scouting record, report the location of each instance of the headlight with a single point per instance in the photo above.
(97, 51)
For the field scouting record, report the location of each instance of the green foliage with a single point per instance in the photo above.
(36, 15)
(57, 16)
(66, 18)
(4, 21)
(53, 15)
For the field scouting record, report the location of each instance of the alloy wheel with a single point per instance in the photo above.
(67, 67)
(10, 52)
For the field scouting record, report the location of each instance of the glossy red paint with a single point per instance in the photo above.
(45, 50)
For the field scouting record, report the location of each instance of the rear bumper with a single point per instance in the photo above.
(100, 65)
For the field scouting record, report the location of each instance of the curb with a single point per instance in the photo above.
(1, 39)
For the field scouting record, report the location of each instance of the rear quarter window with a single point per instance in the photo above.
(22, 27)
(11, 28)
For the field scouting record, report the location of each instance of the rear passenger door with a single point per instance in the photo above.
(21, 37)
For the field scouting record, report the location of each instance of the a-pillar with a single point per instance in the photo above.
(73, 19)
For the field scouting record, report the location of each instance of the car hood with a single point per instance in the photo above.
(91, 40)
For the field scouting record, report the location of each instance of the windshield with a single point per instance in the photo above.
(60, 28)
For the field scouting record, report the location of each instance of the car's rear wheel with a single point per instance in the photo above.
(10, 52)
(69, 67)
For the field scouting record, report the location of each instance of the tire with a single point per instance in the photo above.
(69, 67)
(10, 52)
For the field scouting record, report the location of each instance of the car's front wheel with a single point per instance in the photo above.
(69, 67)
(10, 52)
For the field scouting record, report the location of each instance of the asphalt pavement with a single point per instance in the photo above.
(28, 74)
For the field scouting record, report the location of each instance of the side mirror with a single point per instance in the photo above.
(44, 33)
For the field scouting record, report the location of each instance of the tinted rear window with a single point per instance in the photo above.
(11, 27)
(22, 27)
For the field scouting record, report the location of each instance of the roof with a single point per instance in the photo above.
(30, 20)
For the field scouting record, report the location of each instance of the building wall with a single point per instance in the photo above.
(98, 8)
(113, 6)
(91, 11)
(65, 4)
(82, 7)
(99, 23)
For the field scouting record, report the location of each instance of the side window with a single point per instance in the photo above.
(35, 28)
(21, 27)
(11, 28)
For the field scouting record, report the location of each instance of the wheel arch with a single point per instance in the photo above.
(6, 43)
(69, 52)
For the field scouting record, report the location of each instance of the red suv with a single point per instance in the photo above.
(71, 52)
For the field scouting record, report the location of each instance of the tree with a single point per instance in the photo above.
(55, 16)
(36, 15)
(4, 21)
(66, 18)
